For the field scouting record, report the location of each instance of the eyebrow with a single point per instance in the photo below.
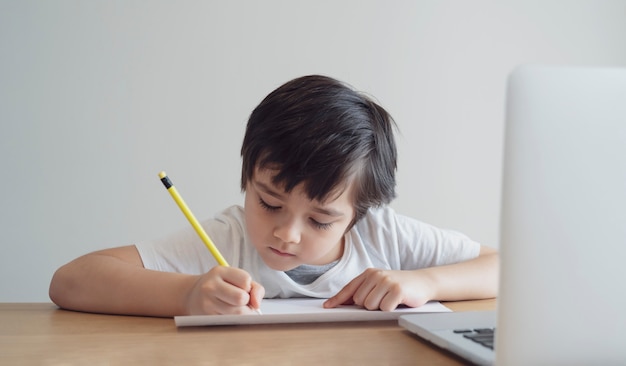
(324, 211)
(265, 188)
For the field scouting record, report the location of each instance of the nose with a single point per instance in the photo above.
(288, 231)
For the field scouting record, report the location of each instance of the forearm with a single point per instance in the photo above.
(473, 279)
(106, 284)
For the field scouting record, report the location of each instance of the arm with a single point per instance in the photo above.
(385, 290)
(115, 281)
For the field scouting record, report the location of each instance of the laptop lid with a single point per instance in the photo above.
(563, 227)
(562, 297)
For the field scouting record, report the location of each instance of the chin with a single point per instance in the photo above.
(281, 266)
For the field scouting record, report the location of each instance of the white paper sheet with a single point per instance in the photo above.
(304, 311)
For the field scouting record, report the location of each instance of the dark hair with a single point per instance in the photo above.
(318, 131)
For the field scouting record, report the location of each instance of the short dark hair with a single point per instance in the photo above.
(320, 132)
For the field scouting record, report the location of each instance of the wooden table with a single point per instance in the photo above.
(42, 334)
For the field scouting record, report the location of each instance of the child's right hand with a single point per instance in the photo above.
(224, 290)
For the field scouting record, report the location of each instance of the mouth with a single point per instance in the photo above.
(281, 254)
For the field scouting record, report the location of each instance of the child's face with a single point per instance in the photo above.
(288, 229)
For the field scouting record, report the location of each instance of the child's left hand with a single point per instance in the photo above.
(385, 290)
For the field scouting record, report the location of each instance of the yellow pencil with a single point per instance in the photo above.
(194, 222)
(192, 219)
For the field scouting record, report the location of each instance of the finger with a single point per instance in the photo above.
(345, 295)
(369, 293)
(232, 295)
(390, 300)
(237, 277)
(256, 295)
(220, 307)
(230, 288)
(372, 296)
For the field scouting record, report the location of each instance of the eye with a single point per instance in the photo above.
(268, 207)
(320, 225)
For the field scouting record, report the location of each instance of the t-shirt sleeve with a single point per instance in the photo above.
(181, 252)
(184, 251)
(405, 243)
(432, 245)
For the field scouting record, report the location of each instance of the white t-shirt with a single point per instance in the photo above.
(381, 239)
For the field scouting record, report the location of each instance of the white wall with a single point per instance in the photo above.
(96, 97)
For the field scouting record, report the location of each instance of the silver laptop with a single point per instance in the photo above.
(562, 298)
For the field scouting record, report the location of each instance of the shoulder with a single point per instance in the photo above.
(376, 216)
(411, 242)
(183, 250)
(386, 219)
(380, 235)
(232, 216)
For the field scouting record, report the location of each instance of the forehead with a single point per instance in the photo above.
(266, 177)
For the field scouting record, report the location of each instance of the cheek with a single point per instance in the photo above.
(321, 241)
(255, 224)
(251, 217)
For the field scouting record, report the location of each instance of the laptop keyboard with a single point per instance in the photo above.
(482, 336)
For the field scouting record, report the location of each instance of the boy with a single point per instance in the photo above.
(319, 163)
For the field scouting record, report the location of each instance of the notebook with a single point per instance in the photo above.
(303, 310)
(562, 297)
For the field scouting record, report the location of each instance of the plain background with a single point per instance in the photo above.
(97, 97)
